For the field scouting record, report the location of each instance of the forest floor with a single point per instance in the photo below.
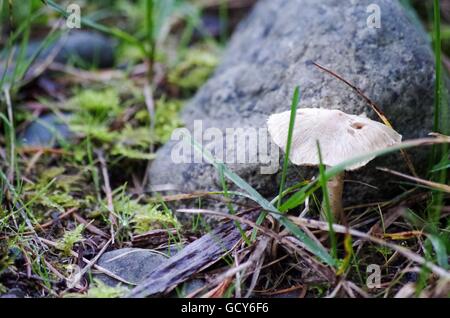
(80, 194)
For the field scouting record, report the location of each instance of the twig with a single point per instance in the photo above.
(55, 271)
(52, 151)
(259, 251)
(108, 192)
(91, 263)
(33, 160)
(12, 136)
(150, 104)
(62, 216)
(89, 226)
(87, 76)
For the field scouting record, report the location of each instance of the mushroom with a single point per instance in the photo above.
(341, 137)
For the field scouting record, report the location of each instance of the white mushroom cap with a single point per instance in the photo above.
(341, 136)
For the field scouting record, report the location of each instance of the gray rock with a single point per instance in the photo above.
(131, 264)
(46, 131)
(268, 56)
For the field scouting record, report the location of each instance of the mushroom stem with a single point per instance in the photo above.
(335, 187)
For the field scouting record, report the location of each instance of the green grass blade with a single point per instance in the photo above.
(326, 200)
(295, 101)
(438, 66)
(440, 118)
(440, 249)
(230, 206)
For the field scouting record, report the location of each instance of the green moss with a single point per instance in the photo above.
(98, 104)
(98, 110)
(70, 238)
(96, 131)
(92, 113)
(100, 290)
(166, 118)
(5, 260)
(51, 173)
(139, 217)
(59, 201)
(133, 143)
(53, 189)
(194, 69)
(150, 217)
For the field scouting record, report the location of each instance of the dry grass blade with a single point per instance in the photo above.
(108, 192)
(60, 217)
(431, 184)
(12, 154)
(150, 105)
(403, 235)
(219, 290)
(87, 76)
(90, 227)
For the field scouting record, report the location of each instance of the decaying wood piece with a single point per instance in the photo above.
(193, 258)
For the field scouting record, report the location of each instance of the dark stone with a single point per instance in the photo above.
(131, 264)
(83, 48)
(45, 131)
